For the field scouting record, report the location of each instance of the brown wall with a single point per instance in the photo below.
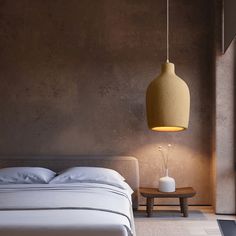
(74, 74)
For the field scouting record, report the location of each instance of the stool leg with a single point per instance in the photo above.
(181, 205)
(184, 208)
(150, 203)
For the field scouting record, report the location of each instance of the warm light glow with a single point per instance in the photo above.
(168, 128)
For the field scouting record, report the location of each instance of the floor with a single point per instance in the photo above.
(167, 221)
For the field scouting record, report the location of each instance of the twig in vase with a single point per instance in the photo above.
(165, 154)
(165, 160)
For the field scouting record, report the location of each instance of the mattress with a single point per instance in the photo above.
(65, 209)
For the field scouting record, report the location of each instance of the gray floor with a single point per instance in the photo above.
(228, 227)
(167, 221)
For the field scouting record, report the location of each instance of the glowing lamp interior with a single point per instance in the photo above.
(168, 129)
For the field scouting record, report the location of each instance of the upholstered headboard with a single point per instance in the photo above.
(125, 165)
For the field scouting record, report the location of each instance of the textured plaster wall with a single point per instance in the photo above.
(224, 147)
(74, 75)
(225, 120)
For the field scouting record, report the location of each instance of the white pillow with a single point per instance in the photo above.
(89, 175)
(25, 175)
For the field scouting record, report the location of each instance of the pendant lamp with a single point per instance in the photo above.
(168, 97)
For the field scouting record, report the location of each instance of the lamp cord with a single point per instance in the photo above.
(167, 31)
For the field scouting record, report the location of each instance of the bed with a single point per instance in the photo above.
(75, 209)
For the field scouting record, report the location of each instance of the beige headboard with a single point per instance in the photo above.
(125, 165)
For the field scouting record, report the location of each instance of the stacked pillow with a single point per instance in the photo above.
(26, 175)
(89, 175)
(38, 175)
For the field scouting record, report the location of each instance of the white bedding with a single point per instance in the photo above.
(83, 209)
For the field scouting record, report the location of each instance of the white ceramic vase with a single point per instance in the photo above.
(166, 183)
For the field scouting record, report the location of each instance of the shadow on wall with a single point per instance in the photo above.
(30, 127)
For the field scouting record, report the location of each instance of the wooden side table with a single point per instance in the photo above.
(182, 193)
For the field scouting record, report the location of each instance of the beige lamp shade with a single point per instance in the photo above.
(168, 101)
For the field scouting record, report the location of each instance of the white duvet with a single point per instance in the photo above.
(84, 209)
